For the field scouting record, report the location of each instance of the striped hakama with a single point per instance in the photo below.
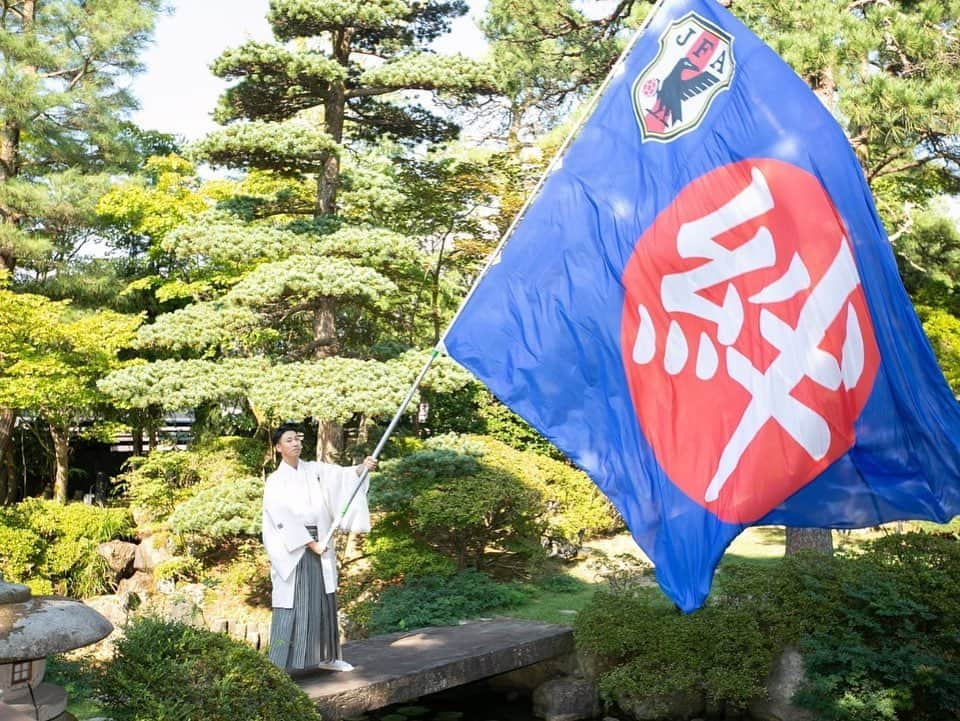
(307, 634)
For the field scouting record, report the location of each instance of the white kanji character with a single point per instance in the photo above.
(799, 358)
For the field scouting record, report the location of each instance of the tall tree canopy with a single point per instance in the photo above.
(277, 271)
(63, 101)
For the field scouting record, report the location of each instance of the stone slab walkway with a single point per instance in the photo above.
(404, 666)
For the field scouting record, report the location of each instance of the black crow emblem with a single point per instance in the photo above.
(675, 88)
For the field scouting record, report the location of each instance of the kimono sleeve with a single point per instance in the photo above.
(339, 483)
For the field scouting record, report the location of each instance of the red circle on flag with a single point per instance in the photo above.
(747, 341)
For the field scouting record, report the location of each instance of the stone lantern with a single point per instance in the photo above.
(30, 630)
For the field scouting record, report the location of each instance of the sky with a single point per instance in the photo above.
(177, 92)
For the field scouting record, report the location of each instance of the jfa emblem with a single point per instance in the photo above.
(674, 92)
(747, 341)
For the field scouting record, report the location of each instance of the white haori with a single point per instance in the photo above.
(309, 495)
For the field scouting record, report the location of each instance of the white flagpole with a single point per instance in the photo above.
(492, 258)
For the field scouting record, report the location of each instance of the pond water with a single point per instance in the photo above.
(473, 702)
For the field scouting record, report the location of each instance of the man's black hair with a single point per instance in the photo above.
(278, 432)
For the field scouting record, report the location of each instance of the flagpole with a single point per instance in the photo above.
(491, 260)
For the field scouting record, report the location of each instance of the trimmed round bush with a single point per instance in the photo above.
(231, 508)
(172, 672)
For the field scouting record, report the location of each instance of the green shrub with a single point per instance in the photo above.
(449, 502)
(651, 650)
(891, 646)
(571, 502)
(247, 575)
(395, 554)
(158, 481)
(20, 552)
(162, 480)
(501, 423)
(878, 632)
(77, 677)
(75, 521)
(226, 510)
(440, 601)
(53, 548)
(172, 672)
(182, 568)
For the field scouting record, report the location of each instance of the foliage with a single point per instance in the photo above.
(394, 553)
(172, 672)
(229, 509)
(465, 509)
(53, 548)
(161, 480)
(473, 501)
(157, 481)
(183, 568)
(943, 332)
(153, 205)
(506, 426)
(548, 54)
(571, 501)
(63, 100)
(650, 650)
(877, 632)
(441, 601)
(53, 357)
(928, 256)
(890, 649)
(76, 676)
(288, 148)
(21, 550)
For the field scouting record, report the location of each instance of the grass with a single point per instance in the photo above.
(565, 589)
(553, 600)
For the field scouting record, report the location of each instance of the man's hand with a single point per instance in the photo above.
(316, 547)
(370, 463)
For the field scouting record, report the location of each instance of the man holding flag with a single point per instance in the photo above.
(702, 310)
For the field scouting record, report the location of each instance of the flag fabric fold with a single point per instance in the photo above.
(701, 309)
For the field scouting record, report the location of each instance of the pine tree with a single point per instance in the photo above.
(303, 284)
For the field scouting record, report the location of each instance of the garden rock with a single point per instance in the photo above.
(114, 608)
(139, 583)
(151, 552)
(784, 679)
(181, 608)
(566, 699)
(119, 556)
(679, 706)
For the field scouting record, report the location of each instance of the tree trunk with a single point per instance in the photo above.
(7, 472)
(325, 339)
(819, 540)
(12, 491)
(333, 113)
(329, 441)
(136, 439)
(10, 146)
(329, 433)
(6, 480)
(61, 454)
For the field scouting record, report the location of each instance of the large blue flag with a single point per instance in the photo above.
(702, 310)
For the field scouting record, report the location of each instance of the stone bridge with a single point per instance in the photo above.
(404, 666)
